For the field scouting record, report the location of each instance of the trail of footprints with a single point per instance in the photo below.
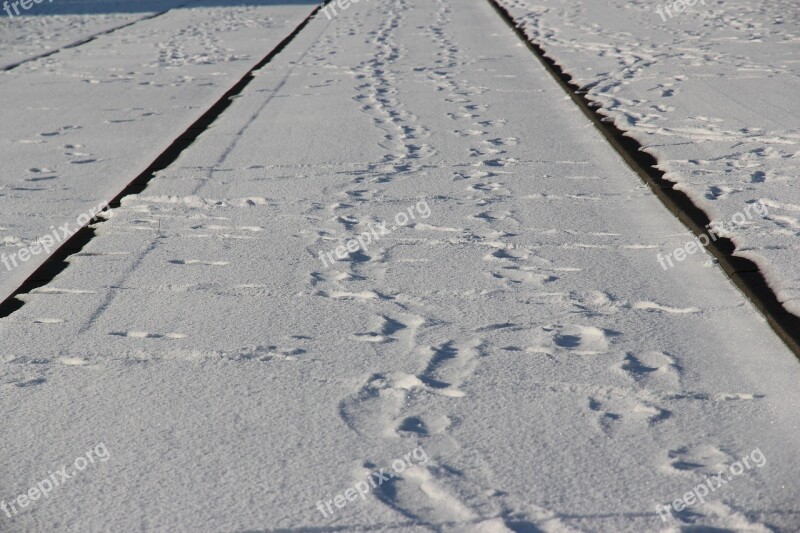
(383, 405)
(389, 405)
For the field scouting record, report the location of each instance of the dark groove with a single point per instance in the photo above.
(59, 259)
(743, 272)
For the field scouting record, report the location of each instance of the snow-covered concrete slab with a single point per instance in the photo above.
(511, 347)
(711, 90)
(80, 125)
(24, 38)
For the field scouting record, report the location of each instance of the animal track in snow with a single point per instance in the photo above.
(403, 327)
(372, 409)
(387, 328)
(507, 254)
(424, 425)
(499, 162)
(419, 494)
(263, 353)
(581, 340)
(29, 382)
(653, 369)
(621, 412)
(61, 131)
(362, 295)
(504, 141)
(492, 216)
(703, 459)
(329, 276)
(43, 170)
(84, 161)
(450, 365)
(515, 275)
(470, 133)
(490, 187)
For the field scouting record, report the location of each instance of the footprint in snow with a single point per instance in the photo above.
(60, 131)
(450, 365)
(487, 187)
(625, 413)
(653, 369)
(575, 339)
(373, 408)
(419, 493)
(384, 332)
(347, 295)
(423, 425)
(703, 459)
(514, 275)
(492, 216)
(24, 383)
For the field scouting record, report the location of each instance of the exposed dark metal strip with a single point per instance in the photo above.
(743, 272)
(58, 260)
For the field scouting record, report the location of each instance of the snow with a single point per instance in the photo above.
(80, 125)
(37, 36)
(521, 333)
(711, 92)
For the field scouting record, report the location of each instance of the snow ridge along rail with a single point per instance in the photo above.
(59, 259)
(743, 272)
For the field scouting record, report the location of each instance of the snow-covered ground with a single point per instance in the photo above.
(46, 27)
(80, 125)
(36, 36)
(501, 340)
(711, 92)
